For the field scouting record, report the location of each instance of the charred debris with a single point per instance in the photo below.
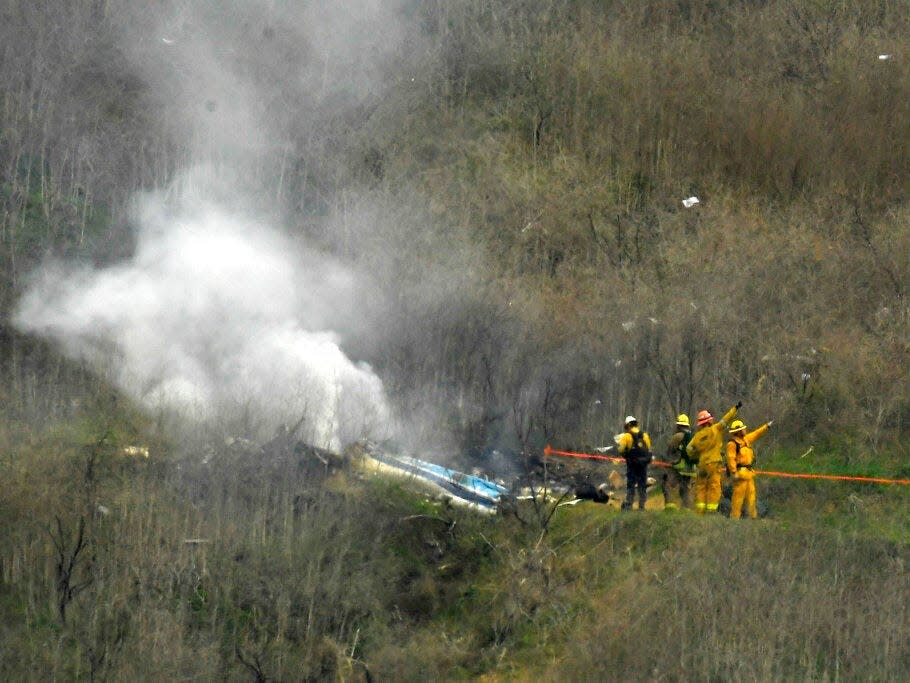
(461, 482)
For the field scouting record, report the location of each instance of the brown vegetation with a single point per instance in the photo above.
(548, 148)
(513, 188)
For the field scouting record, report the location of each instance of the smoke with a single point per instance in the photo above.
(242, 78)
(215, 313)
(218, 312)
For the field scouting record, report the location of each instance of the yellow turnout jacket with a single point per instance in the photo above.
(743, 456)
(625, 440)
(707, 441)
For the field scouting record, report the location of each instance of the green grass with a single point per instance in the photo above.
(365, 574)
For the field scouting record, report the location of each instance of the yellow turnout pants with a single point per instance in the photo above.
(743, 490)
(707, 487)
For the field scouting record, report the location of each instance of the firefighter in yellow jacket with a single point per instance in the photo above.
(678, 477)
(635, 446)
(706, 445)
(740, 458)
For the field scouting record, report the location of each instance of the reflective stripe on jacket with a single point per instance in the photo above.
(676, 455)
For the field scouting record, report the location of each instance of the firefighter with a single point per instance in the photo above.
(705, 447)
(740, 459)
(635, 446)
(679, 475)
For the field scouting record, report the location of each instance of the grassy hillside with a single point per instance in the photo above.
(507, 177)
(272, 566)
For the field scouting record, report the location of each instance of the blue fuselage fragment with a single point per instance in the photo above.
(467, 487)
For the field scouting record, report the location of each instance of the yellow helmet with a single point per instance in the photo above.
(737, 426)
(682, 419)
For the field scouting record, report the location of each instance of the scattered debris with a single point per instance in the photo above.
(196, 541)
(807, 452)
(549, 493)
(599, 494)
(884, 58)
(103, 510)
(135, 451)
(690, 202)
(167, 41)
(459, 488)
(574, 501)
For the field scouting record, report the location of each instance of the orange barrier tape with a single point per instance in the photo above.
(836, 477)
(591, 456)
(767, 473)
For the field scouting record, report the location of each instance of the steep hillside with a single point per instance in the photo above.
(457, 226)
(509, 178)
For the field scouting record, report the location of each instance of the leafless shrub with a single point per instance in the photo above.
(72, 571)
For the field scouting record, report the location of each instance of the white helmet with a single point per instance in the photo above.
(630, 420)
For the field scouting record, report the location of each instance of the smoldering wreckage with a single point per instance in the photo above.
(536, 478)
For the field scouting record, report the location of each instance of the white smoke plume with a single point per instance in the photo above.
(218, 312)
(215, 313)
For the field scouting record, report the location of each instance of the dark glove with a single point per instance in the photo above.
(739, 405)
